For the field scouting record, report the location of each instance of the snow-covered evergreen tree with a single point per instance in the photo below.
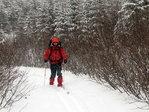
(85, 18)
(61, 24)
(74, 16)
(133, 15)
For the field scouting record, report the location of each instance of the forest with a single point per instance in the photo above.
(108, 40)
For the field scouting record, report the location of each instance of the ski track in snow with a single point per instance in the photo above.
(71, 103)
(78, 95)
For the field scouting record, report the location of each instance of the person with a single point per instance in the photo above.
(56, 55)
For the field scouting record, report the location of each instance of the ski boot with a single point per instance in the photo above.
(51, 81)
(60, 80)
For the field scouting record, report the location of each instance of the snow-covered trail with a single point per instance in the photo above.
(84, 96)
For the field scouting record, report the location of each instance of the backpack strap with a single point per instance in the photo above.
(50, 44)
(50, 47)
(60, 52)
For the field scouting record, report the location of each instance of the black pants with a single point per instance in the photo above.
(56, 70)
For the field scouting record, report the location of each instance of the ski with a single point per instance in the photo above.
(66, 90)
(63, 88)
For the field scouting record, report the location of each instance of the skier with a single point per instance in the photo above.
(55, 54)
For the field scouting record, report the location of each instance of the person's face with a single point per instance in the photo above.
(55, 43)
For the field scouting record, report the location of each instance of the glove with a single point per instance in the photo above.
(45, 61)
(65, 61)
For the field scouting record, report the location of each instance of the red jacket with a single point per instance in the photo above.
(55, 54)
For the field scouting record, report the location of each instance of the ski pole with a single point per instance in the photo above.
(45, 74)
(67, 91)
(63, 75)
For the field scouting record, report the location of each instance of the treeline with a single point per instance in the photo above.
(107, 40)
(13, 86)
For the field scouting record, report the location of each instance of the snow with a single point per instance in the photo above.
(81, 94)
